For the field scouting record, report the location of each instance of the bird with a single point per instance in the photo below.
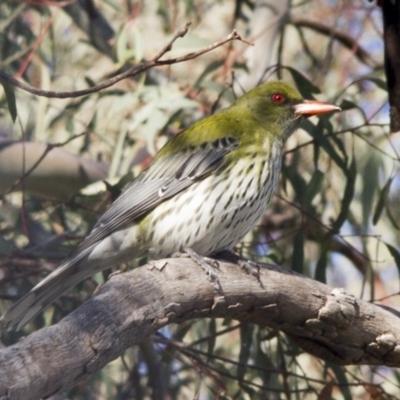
(202, 193)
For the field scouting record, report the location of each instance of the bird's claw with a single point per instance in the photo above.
(211, 262)
(208, 264)
(249, 267)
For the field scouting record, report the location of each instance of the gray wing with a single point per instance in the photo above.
(159, 182)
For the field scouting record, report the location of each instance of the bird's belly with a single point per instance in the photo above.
(213, 214)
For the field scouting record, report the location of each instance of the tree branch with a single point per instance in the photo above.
(154, 62)
(342, 37)
(326, 322)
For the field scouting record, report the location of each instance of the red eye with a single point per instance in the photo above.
(278, 98)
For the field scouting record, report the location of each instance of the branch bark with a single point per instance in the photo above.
(326, 322)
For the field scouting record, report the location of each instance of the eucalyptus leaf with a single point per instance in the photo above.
(212, 337)
(313, 187)
(316, 133)
(304, 85)
(322, 264)
(392, 219)
(347, 197)
(370, 185)
(5, 247)
(341, 378)
(246, 341)
(395, 254)
(347, 105)
(298, 252)
(381, 201)
(10, 98)
(378, 82)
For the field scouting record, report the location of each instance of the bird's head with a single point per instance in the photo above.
(280, 107)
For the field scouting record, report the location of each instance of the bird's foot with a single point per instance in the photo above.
(248, 266)
(208, 264)
(117, 272)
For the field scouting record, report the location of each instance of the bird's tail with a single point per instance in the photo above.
(72, 271)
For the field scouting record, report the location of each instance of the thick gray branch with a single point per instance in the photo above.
(326, 322)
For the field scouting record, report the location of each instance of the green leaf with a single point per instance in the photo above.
(313, 187)
(246, 344)
(395, 254)
(138, 53)
(90, 82)
(348, 105)
(10, 98)
(370, 185)
(378, 82)
(347, 198)
(298, 252)
(316, 148)
(212, 338)
(391, 218)
(381, 201)
(342, 380)
(121, 46)
(70, 125)
(246, 341)
(316, 132)
(263, 360)
(340, 145)
(304, 85)
(5, 247)
(320, 270)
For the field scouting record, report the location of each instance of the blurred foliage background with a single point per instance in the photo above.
(336, 217)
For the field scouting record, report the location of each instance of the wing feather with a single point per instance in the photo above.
(159, 182)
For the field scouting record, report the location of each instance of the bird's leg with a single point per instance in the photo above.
(248, 266)
(208, 264)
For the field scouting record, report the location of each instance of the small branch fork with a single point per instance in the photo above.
(154, 62)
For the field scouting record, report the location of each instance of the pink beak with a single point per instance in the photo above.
(309, 108)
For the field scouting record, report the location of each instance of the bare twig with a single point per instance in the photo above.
(154, 62)
(342, 37)
(181, 33)
(232, 36)
(49, 147)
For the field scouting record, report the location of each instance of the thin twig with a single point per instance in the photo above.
(154, 62)
(36, 45)
(232, 36)
(181, 33)
(340, 36)
(49, 147)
